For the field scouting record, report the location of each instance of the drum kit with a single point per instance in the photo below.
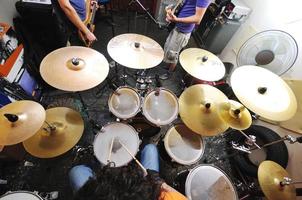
(204, 110)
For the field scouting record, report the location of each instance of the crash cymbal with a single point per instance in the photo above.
(20, 120)
(198, 109)
(235, 115)
(67, 129)
(264, 93)
(270, 174)
(135, 51)
(74, 68)
(202, 64)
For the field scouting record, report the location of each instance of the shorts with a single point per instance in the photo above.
(174, 44)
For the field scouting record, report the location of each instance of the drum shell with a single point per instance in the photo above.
(135, 110)
(134, 149)
(173, 116)
(16, 195)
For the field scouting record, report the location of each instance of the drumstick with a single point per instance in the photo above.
(110, 150)
(141, 166)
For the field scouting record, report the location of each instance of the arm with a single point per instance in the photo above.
(72, 15)
(196, 19)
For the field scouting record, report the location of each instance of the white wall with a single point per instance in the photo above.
(7, 11)
(266, 15)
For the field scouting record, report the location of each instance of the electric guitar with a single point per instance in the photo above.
(89, 21)
(175, 10)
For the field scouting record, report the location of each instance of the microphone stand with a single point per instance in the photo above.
(145, 10)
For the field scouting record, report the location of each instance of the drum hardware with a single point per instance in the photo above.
(49, 195)
(28, 164)
(264, 93)
(66, 129)
(275, 182)
(3, 182)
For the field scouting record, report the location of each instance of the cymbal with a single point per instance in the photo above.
(74, 68)
(135, 51)
(68, 127)
(202, 64)
(20, 120)
(270, 174)
(264, 93)
(235, 115)
(198, 109)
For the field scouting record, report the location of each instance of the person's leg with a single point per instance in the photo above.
(150, 158)
(78, 176)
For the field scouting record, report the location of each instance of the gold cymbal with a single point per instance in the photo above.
(68, 127)
(202, 64)
(20, 120)
(135, 51)
(270, 174)
(264, 93)
(74, 68)
(198, 109)
(235, 115)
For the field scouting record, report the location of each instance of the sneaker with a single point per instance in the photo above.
(165, 76)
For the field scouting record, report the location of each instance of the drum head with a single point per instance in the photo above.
(122, 132)
(20, 195)
(160, 109)
(183, 145)
(124, 103)
(209, 182)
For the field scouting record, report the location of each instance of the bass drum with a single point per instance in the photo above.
(209, 182)
(20, 195)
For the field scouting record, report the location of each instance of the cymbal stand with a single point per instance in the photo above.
(288, 181)
(289, 138)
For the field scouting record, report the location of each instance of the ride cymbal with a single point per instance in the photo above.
(270, 176)
(202, 64)
(20, 120)
(135, 51)
(74, 68)
(67, 127)
(235, 115)
(264, 93)
(198, 109)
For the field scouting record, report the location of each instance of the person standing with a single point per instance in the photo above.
(190, 14)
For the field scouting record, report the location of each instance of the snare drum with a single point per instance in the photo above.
(24, 195)
(160, 107)
(209, 182)
(124, 103)
(124, 133)
(183, 146)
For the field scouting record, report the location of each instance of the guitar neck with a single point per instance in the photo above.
(93, 14)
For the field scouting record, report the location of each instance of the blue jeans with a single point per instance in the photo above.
(80, 174)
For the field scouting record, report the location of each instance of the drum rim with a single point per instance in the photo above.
(183, 162)
(192, 172)
(113, 111)
(100, 132)
(21, 191)
(149, 118)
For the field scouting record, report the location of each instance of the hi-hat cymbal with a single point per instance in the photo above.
(135, 51)
(20, 120)
(202, 64)
(235, 115)
(67, 129)
(264, 93)
(270, 174)
(74, 68)
(198, 109)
